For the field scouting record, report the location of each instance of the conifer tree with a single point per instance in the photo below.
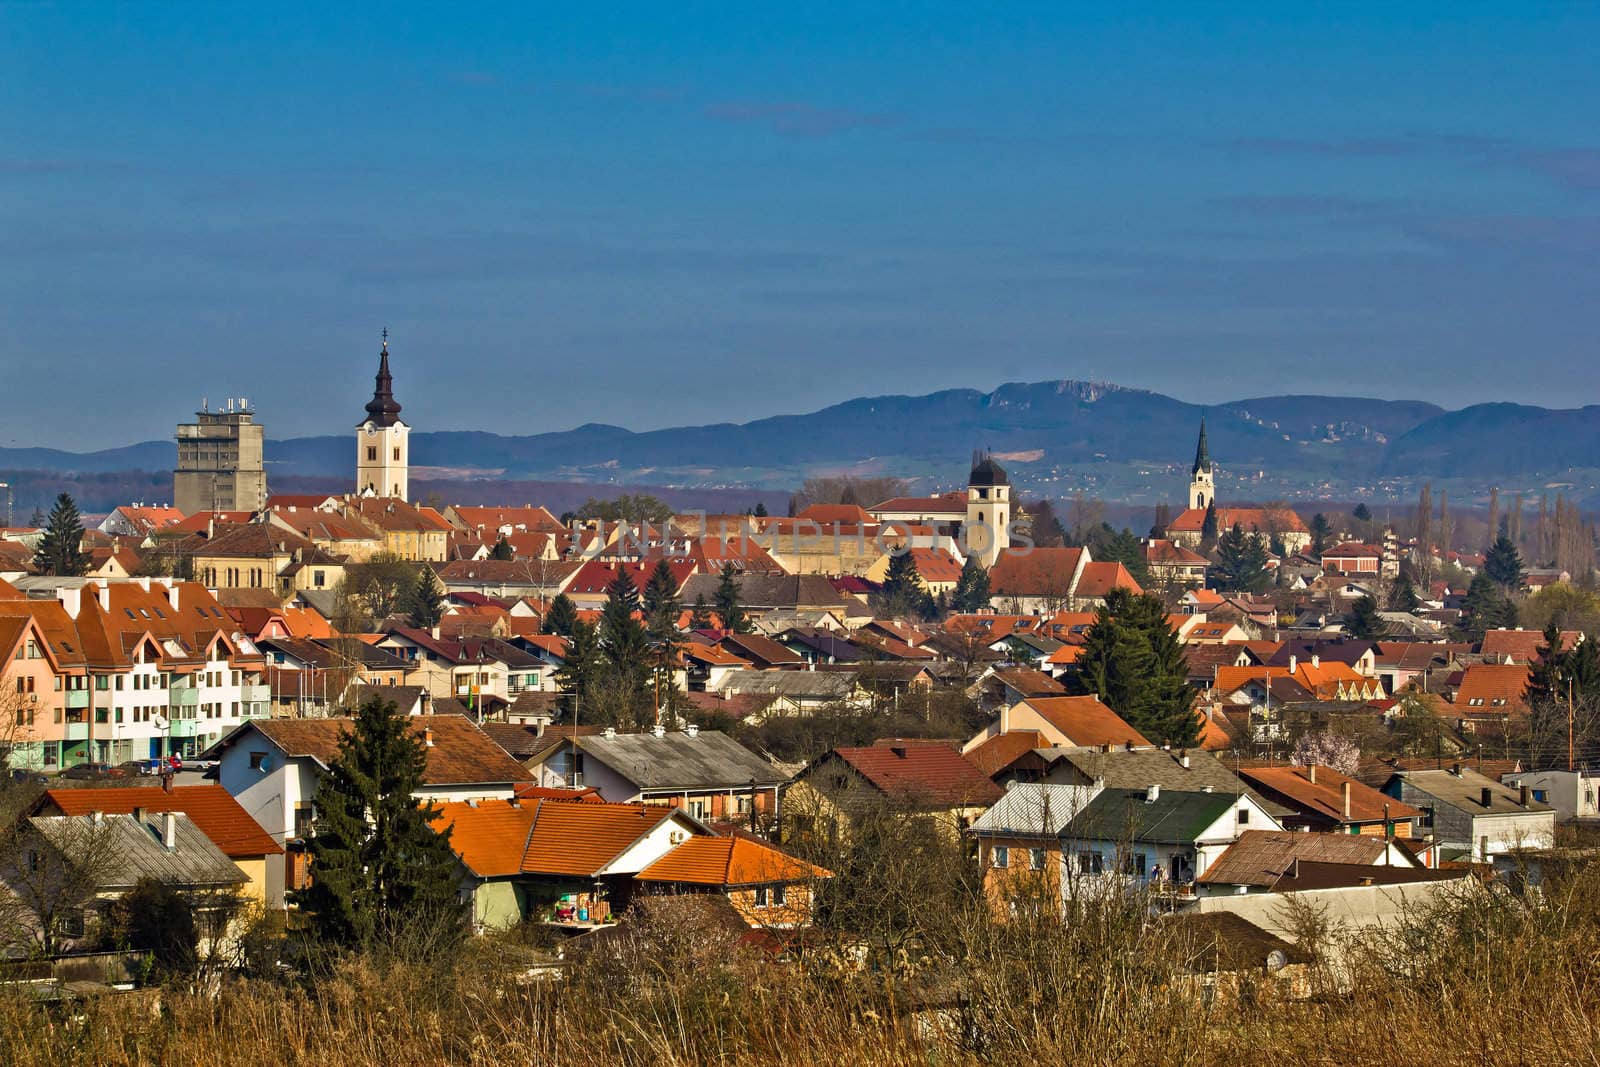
(902, 592)
(700, 616)
(60, 550)
(728, 604)
(1133, 661)
(384, 877)
(424, 602)
(1363, 620)
(1503, 564)
(581, 665)
(562, 618)
(624, 644)
(760, 510)
(662, 607)
(1403, 595)
(1241, 562)
(1321, 533)
(502, 549)
(972, 588)
(1208, 529)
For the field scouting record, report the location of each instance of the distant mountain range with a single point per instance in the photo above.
(1055, 438)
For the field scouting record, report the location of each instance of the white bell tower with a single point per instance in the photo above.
(382, 447)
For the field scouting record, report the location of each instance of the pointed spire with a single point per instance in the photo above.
(1202, 453)
(383, 409)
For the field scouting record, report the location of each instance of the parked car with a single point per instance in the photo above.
(96, 771)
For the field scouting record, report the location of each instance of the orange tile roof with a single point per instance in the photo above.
(1040, 572)
(1065, 656)
(490, 836)
(1098, 579)
(1002, 750)
(1522, 646)
(1493, 685)
(210, 807)
(461, 753)
(10, 592)
(920, 772)
(729, 861)
(1325, 796)
(1086, 721)
(581, 839)
(1262, 519)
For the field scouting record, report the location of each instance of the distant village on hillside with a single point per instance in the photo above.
(1237, 705)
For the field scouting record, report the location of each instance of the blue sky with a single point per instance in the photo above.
(665, 214)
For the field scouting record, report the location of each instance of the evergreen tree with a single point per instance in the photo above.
(383, 875)
(661, 593)
(760, 510)
(662, 607)
(1485, 608)
(700, 616)
(1208, 529)
(1241, 565)
(972, 588)
(1363, 620)
(60, 550)
(424, 602)
(1321, 534)
(1124, 548)
(1403, 595)
(902, 592)
(37, 520)
(624, 645)
(1362, 513)
(502, 549)
(727, 601)
(562, 618)
(1545, 677)
(158, 919)
(582, 663)
(1133, 661)
(1503, 564)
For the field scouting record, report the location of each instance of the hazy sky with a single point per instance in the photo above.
(678, 213)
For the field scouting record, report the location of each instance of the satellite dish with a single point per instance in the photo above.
(1277, 960)
(159, 722)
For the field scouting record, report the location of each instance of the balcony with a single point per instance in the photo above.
(187, 697)
(76, 731)
(77, 699)
(183, 728)
(255, 694)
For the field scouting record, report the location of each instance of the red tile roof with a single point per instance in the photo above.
(920, 773)
(1002, 750)
(1040, 572)
(210, 807)
(1325, 797)
(1489, 686)
(1192, 520)
(461, 753)
(1522, 646)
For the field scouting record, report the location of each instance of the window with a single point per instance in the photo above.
(697, 808)
(102, 683)
(1244, 816)
(372, 453)
(779, 897)
(1539, 794)
(260, 761)
(762, 897)
(397, 454)
(1091, 862)
(1000, 857)
(1036, 859)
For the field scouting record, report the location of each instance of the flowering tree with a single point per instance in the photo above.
(1329, 750)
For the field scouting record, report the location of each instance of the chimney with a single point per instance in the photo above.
(1294, 662)
(1455, 769)
(1152, 794)
(1344, 798)
(172, 595)
(71, 601)
(1316, 661)
(1522, 795)
(1294, 868)
(139, 814)
(169, 831)
(427, 736)
(166, 781)
(1488, 796)
(610, 733)
(658, 730)
(104, 592)
(472, 802)
(97, 817)
(691, 730)
(1311, 773)
(1183, 759)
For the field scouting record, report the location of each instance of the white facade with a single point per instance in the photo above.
(383, 459)
(988, 529)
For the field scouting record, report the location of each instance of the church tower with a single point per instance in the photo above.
(1202, 482)
(382, 449)
(987, 533)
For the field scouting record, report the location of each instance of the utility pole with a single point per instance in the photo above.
(1569, 725)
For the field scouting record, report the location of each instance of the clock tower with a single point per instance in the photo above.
(382, 447)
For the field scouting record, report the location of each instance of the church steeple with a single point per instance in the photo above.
(1202, 480)
(383, 409)
(1202, 454)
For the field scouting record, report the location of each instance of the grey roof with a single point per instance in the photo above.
(709, 760)
(1173, 817)
(1262, 857)
(131, 849)
(814, 685)
(1144, 767)
(1031, 809)
(1466, 792)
